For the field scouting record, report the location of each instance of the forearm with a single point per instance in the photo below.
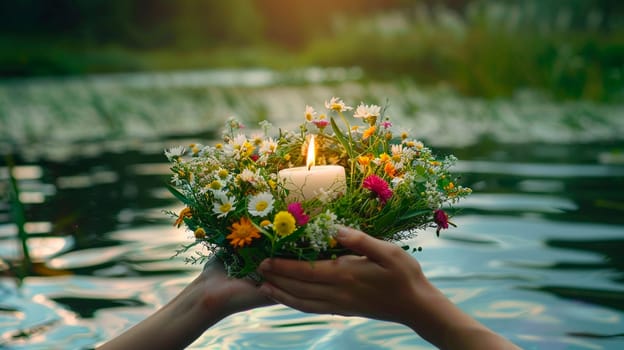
(448, 327)
(175, 325)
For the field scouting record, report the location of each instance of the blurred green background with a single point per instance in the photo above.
(568, 48)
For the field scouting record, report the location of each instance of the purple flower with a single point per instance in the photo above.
(378, 186)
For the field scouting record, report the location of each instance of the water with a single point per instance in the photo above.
(536, 257)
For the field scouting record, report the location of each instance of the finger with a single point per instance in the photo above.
(301, 304)
(302, 289)
(384, 253)
(317, 271)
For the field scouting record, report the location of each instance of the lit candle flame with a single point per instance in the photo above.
(310, 157)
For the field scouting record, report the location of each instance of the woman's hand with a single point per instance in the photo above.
(384, 283)
(205, 301)
(380, 284)
(228, 295)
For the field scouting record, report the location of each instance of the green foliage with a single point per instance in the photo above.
(491, 50)
(572, 49)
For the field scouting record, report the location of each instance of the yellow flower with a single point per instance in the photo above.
(242, 233)
(222, 173)
(369, 132)
(284, 223)
(287, 157)
(219, 146)
(404, 135)
(200, 233)
(247, 149)
(265, 223)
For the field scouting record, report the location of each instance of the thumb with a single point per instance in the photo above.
(359, 242)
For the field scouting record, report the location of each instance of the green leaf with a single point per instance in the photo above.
(414, 214)
(179, 195)
(420, 170)
(252, 257)
(291, 237)
(341, 137)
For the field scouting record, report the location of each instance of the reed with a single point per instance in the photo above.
(19, 218)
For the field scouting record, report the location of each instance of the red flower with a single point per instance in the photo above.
(297, 211)
(378, 186)
(440, 218)
(254, 157)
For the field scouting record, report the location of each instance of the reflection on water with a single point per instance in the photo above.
(536, 256)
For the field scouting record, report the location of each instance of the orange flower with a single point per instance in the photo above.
(450, 187)
(389, 169)
(185, 213)
(369, 132)
(242, 233)
(384, 157)
(363, 160)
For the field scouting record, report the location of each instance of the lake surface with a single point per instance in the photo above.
(537, 254)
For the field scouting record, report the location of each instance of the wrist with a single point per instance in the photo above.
(446, 326)
(204, 300)
(432, 315)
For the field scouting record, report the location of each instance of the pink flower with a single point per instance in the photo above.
(378, 186)
(297, 211)
(440, 218)
(386, 124)
(320, 123)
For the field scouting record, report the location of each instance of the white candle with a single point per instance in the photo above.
(306, 182)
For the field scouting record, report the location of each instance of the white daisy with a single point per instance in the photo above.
(248, 176)
(336, 104)
(268, 146)
(366, 111)
(310, 114)
(175, 152)
(397, 150)
(216, 185)
(223, 204)
(260, 204)
(238, 141)
(257, 138)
